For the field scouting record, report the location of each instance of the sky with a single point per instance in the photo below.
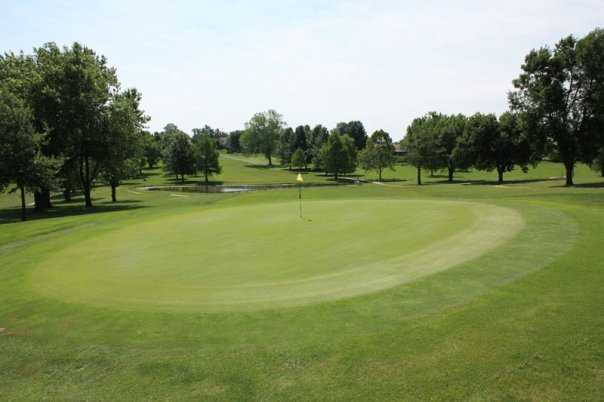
(315, 62)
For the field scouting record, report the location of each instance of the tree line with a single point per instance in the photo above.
(337, 151)
(66, 124)
(556, 111)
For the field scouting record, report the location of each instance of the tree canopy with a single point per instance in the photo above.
(262, 134)
(561, 94)
(378, 153)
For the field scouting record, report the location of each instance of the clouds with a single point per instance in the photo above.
(382, 62)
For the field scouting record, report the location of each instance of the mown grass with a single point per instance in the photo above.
(521, 322)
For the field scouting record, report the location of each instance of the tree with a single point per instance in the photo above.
(262, 134)
(561, 94)
(355, 130)
(285, 146)
(298, 159)
(423, 143)
(21, 158)
(151, 149)
(124, 138)
(207, 156)
(497, 144)
(378, 153)
(301, 140)
(180, 156)
(451, 129)
(338, 155)
(69, 97)
(18, 73)
(319, 135)
(220, 137)
(232, 143)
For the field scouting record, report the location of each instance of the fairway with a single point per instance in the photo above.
(269, 257)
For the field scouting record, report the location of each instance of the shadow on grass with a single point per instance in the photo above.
(393, 180)
(64, 209)
(483, 182)
(584, 185)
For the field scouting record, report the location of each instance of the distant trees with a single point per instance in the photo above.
(232, 142)
(298, 159)
(179, 156)
(319, 136)
(262, 134)
(220, 137)
(338, 155)
(561, 94)
(355, 130)
(206, 155)
(378, 153)
(151, 149)
(286, 142)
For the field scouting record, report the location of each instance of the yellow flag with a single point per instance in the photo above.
(299, 178)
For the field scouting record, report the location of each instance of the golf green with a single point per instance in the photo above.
(264, 256)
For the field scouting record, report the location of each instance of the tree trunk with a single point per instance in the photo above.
(113, 191)
(499, 175)
(451, 171)
(335, 175)
(23, 206)
(67, 195)
(270, 161)
(206, 176)
(380, 175)
(602, 169)
(569, 167)
(419, 176)
(86, 183)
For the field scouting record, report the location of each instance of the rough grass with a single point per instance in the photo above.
(521, 321)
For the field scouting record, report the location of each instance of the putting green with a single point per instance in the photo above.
(264, 256)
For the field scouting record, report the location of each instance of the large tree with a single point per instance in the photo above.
(206, 156)
(70, 95)
(378, 153)
(492, 144)
(423, 145)
(355, 130)
(21, 160)
(450, 130)
(561, 93)
(339, 155)
(262, 134)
